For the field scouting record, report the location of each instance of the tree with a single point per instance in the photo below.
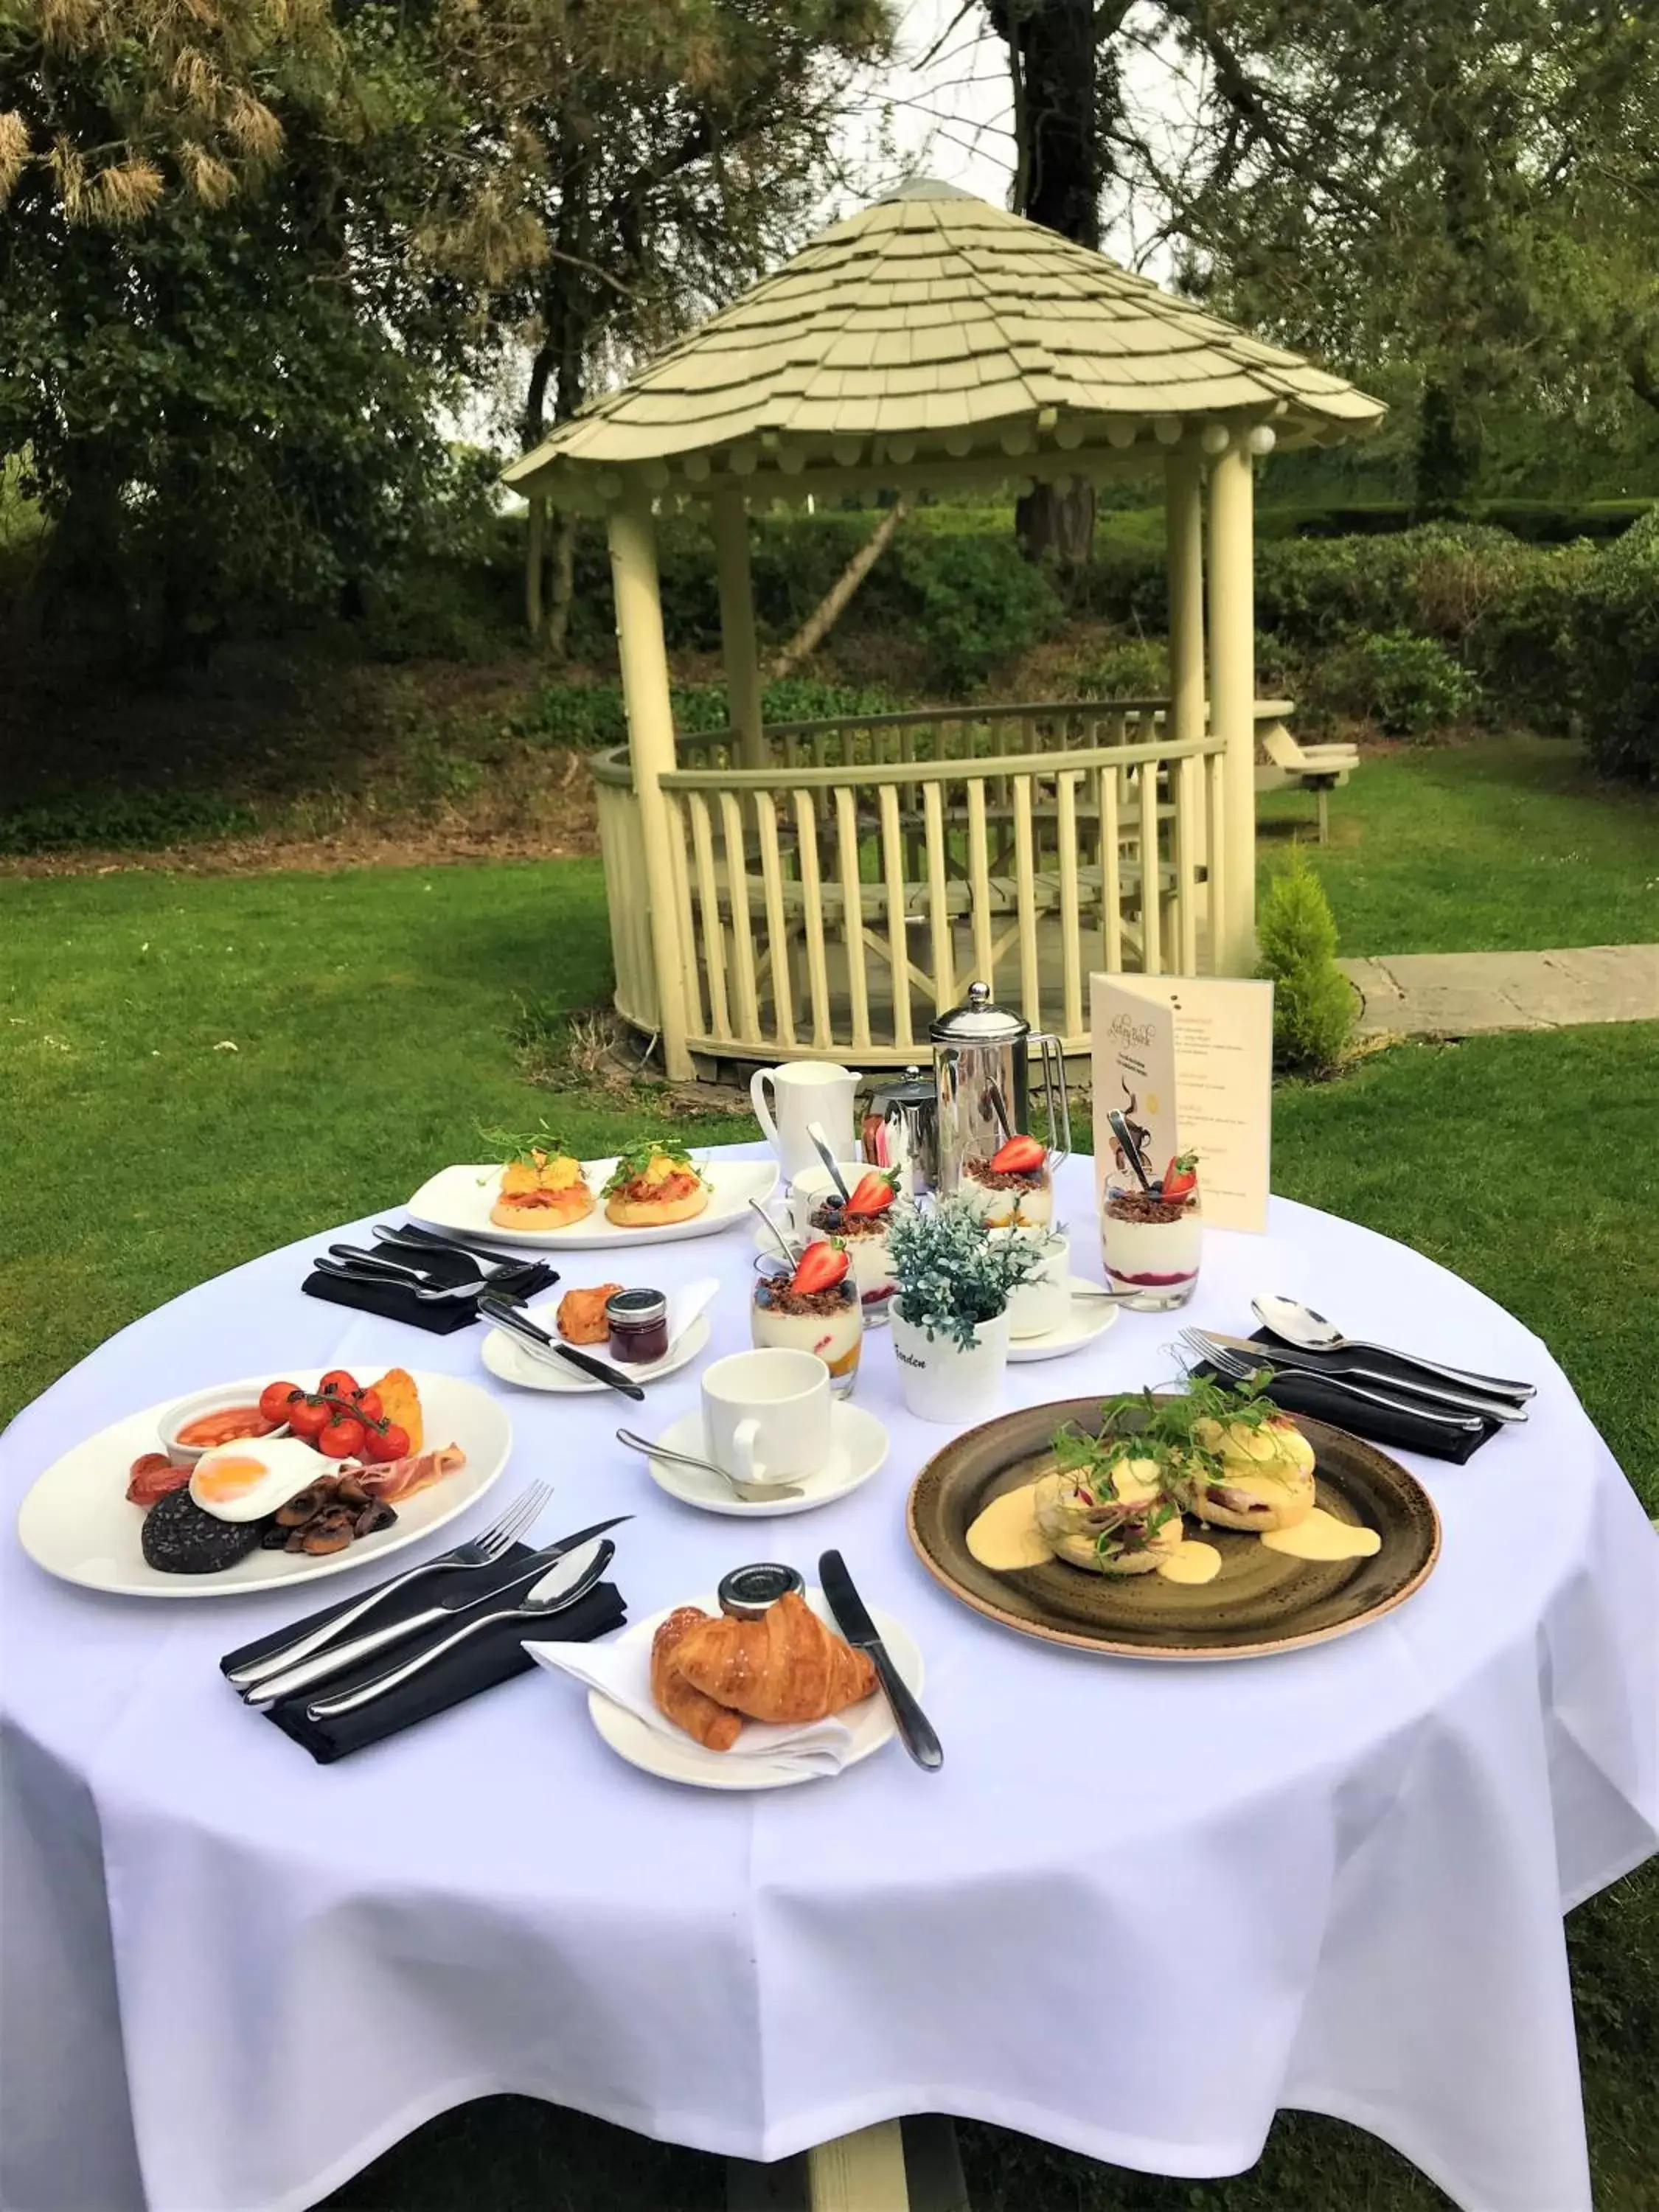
(1470, 194)
(662, 156)
(226, 380)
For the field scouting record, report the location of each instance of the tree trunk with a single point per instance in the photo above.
(564, 585)
(1054, 62)
(834, 602)
(1447, 466)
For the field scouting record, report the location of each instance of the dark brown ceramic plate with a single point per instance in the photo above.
(1260, 1601)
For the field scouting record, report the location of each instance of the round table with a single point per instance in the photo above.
(1142, 1906)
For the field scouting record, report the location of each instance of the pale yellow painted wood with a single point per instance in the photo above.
(1188, 830)
(900, 775)
(1215, 771)
(690, 969)
(860, 2172)
(1024, 878)
(939, 913)
(846, 847)
(892, 854)
(1232, 697)
(1183, 530)
(979, 880)
(1152, 933)
(737, 649)
(1111, 876)
(742, 925)
(817, 966)
(777, 934)
(650, 739)
(708, 900)
(1071, 932)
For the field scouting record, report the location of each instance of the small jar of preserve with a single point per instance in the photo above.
(639, 1327)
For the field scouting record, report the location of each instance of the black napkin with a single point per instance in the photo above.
(1298, 1392)
(393, 1302)
(495, 1655)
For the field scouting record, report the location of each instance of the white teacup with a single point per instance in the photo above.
(1043, 1301)
(766, 1414)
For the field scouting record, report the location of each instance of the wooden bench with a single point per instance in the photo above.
(1293, 766)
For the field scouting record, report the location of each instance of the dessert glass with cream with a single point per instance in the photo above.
(826, 1319)
(1150, 1245)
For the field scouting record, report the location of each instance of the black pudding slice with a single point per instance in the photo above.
(179, 1539)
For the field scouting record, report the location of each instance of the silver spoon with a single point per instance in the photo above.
(790, 1254)
(752, 1493)
(565, 1581)
(821, 1145)
(1300, 1325)
(1120, 1129)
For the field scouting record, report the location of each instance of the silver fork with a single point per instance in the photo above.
(1237, 1368)
(483, 1550)
(383, 1271)
(752, 1493)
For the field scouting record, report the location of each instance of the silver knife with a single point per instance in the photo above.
(411, 1233)
(853, 1619)
(335, 1658)
(1306, 1363)
(564, 1583)
(505, 1314)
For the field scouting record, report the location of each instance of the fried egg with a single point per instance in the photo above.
(246, 1481)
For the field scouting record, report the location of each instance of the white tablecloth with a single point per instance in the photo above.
(1142, 1907)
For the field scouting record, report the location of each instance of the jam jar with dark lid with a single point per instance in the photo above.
(639, 1327)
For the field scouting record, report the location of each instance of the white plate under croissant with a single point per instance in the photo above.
(676, 1758)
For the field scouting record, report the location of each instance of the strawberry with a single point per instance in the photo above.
(871, 1194)
(823, 1266)
(1019, 1155)
(1181, 1176)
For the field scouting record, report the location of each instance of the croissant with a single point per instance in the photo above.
(704, 1721)
(786, 1666)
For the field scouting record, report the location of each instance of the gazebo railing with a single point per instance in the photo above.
(828, 900)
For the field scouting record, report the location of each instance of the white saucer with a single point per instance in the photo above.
(870, 1723)
(858, 1446)
(511, 1361)
(1089, 1318)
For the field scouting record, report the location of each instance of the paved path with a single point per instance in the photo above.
(1462, 994)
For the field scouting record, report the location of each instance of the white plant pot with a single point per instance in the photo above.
(941, 1381)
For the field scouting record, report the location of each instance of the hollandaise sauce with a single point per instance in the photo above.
(1323, 1536)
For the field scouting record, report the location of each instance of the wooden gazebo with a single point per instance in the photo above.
(817, 889)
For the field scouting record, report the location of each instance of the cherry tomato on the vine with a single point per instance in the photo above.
(309, 1418)
(273, 1400)
(368, 1403)
(338, 1382)
(342, 1439)
(387, 1443)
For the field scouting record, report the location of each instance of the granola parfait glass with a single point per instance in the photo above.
(1150, 1245)
(830, 1322)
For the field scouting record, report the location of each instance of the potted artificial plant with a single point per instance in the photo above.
(949, 1309)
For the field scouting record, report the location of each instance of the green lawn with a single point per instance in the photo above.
(1497, 846)
(373, 1014)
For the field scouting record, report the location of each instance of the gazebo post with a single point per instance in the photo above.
(644, 659)
(1232, 700)
(738, 650)
(1184, 529)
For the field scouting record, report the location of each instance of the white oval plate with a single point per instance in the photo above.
(1090, 1318)
(77, 1523)
(858, 1447)
(680, 1759)
(511, 1361)
(459, 1199)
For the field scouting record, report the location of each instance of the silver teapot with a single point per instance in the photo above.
(900, 1130)
(982, 1074)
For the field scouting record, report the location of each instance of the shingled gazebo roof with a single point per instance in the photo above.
(933, 326)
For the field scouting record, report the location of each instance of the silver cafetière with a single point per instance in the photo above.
(981, 1070)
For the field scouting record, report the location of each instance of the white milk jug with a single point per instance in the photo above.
(804, 1091)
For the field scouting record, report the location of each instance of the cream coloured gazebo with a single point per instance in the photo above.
(817, 888)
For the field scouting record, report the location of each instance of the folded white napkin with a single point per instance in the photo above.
(622, 1672)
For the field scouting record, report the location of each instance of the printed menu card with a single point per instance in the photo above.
(1187, 1060)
